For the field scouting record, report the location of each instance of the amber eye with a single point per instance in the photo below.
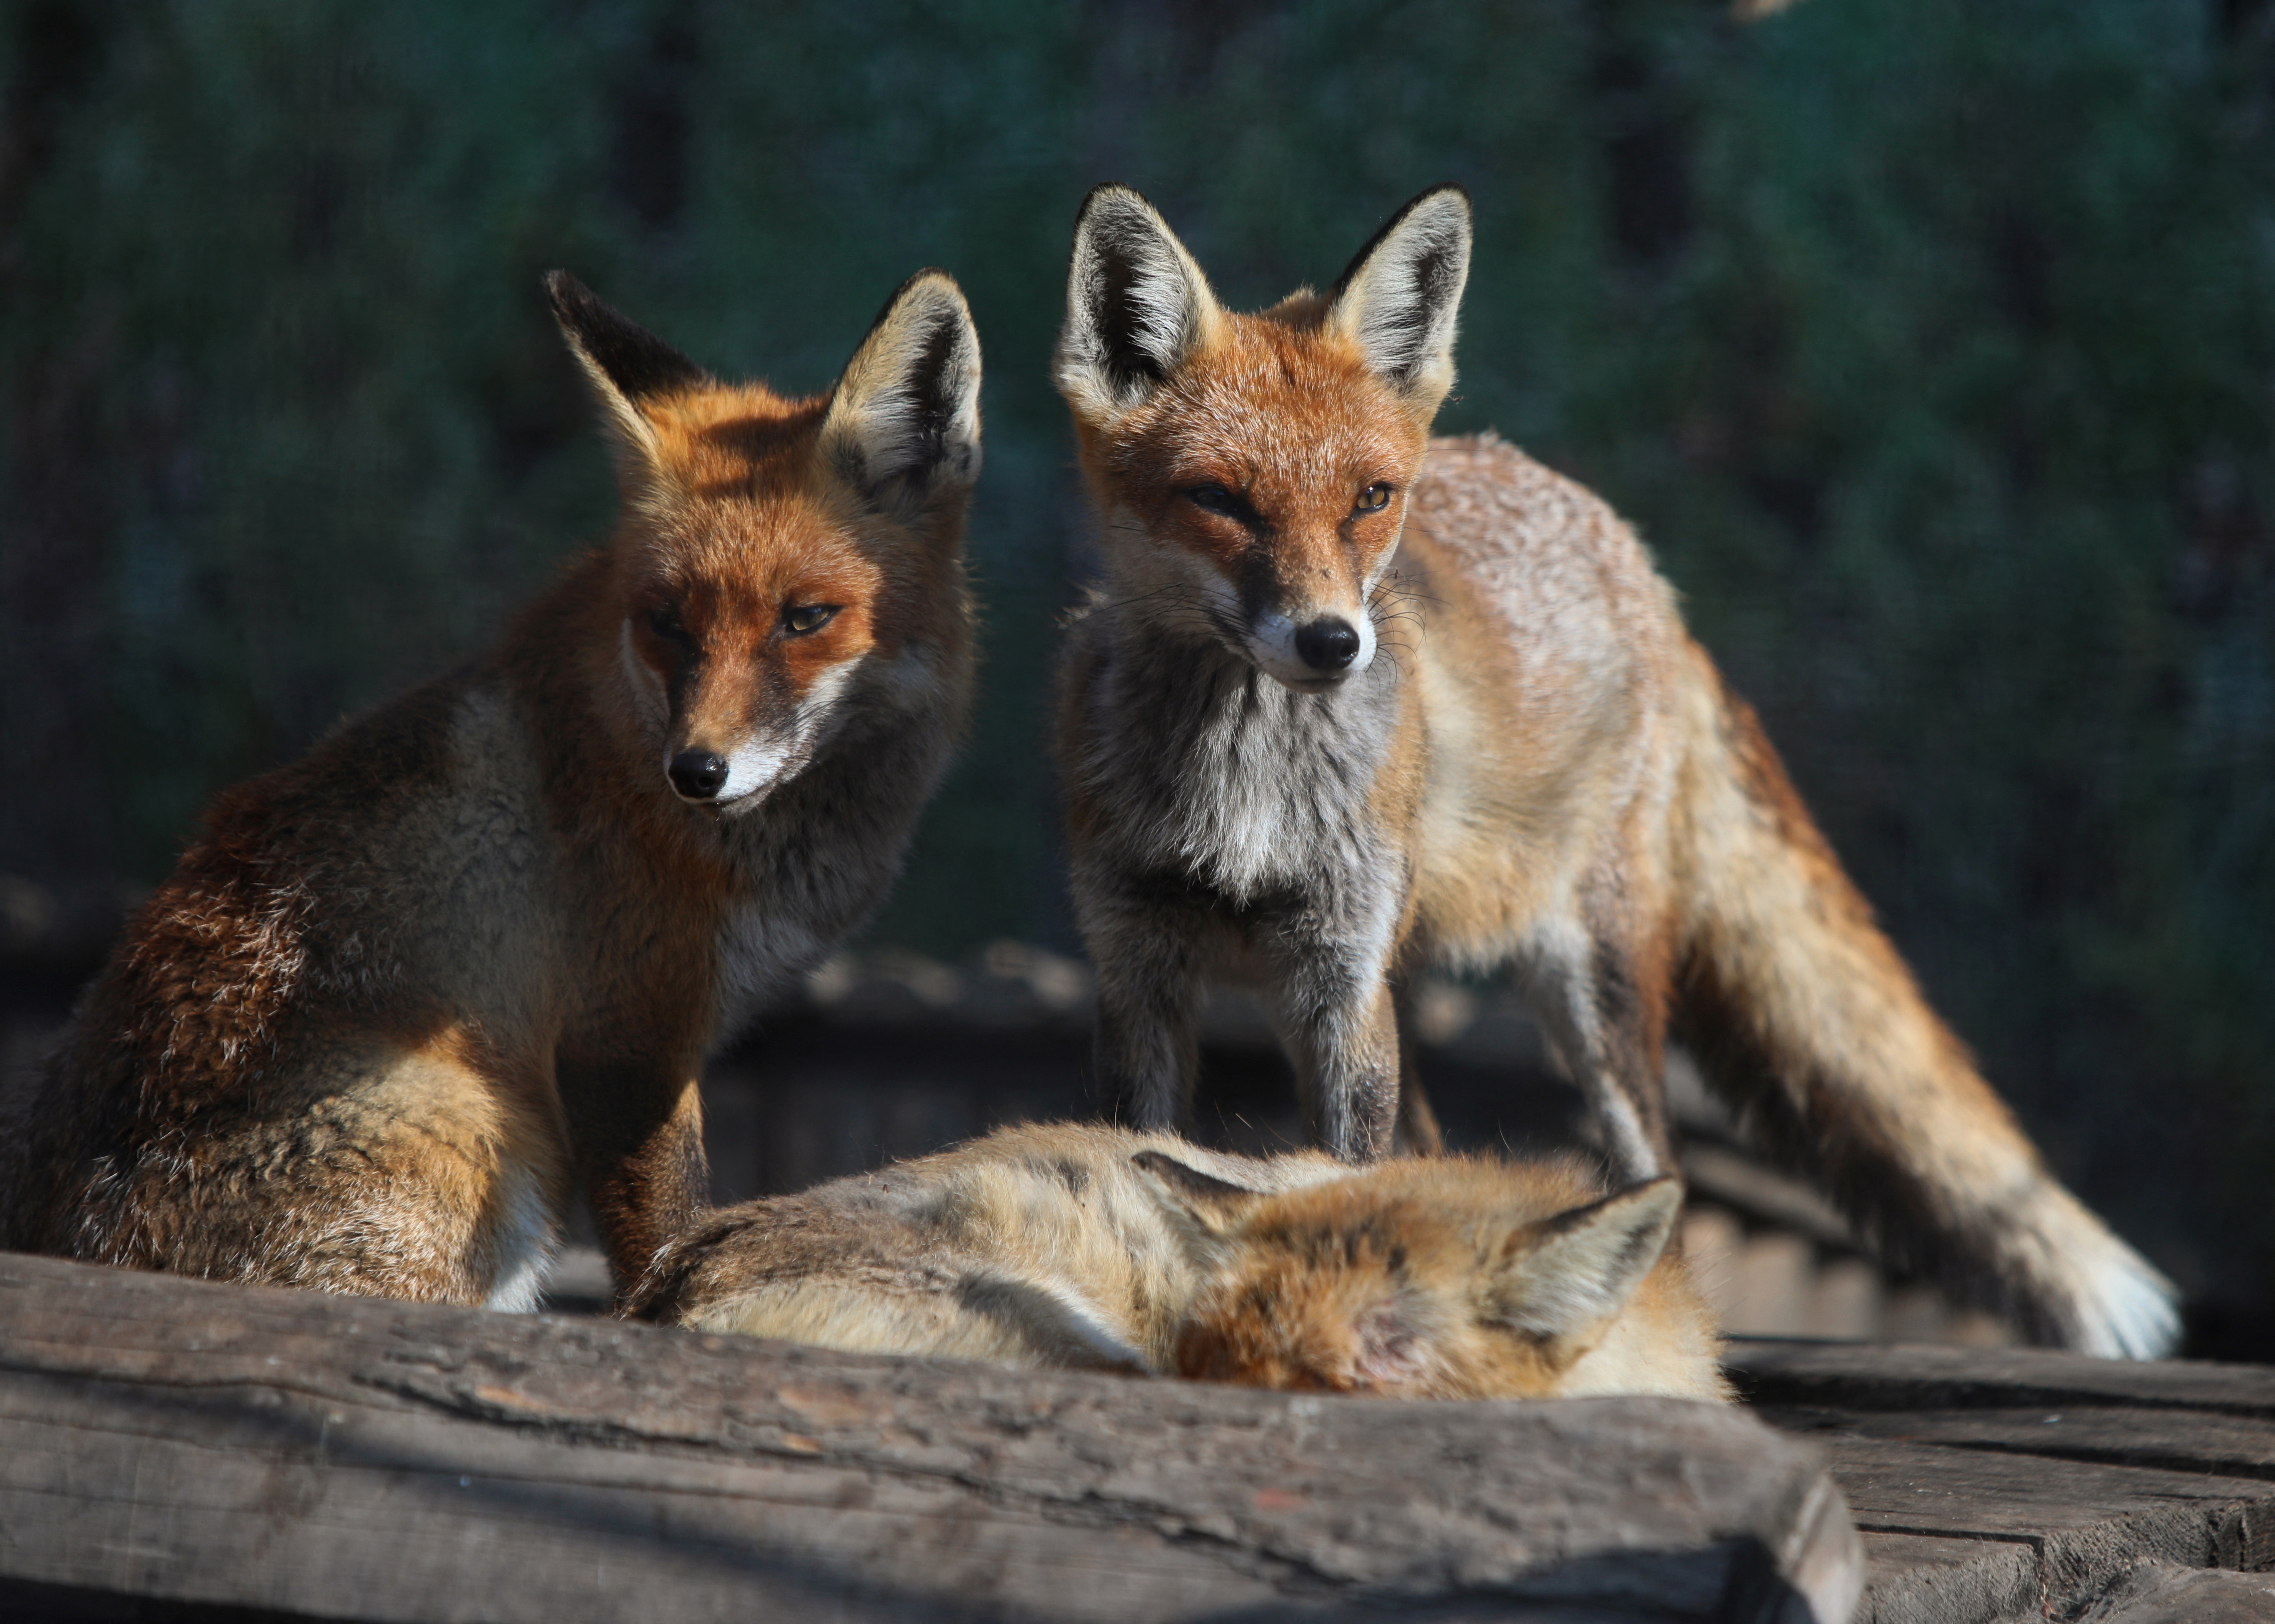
(802, 618)
(1373, 499)
(664, 622)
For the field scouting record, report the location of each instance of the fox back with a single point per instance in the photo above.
(400, 996)
(1092, 1247)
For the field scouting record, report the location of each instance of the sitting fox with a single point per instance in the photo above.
(1351, 703)
(1095, 1248)
(400, 996)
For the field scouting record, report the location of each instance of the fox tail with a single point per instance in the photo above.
(1810, 1025)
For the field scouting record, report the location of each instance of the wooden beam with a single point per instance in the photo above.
(168, 1448)
(2013, 1483)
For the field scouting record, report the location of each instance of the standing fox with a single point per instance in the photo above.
(400, 996)
(1090, 1247)
(1287, 762)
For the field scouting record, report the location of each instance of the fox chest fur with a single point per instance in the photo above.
(1526, 643)
(1203, 771)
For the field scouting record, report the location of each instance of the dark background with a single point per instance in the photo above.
(1929, 343)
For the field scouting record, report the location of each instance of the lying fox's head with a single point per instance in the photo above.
(1444, 1278)
(1252, 469)
(774, 550)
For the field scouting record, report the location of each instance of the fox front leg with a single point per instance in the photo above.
(1341, 1024)
(637, 1138)
(1146, 951)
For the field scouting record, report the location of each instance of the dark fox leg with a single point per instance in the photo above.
(1148, 951)
(1341, 1026)
(638, 1136)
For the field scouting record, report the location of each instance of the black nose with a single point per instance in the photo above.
(1327, 644)
(698, 774)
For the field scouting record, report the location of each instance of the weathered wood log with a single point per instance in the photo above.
(2158, 1593)
(167, 1446)
(1991, 1485)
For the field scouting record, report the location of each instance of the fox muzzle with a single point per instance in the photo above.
(1312, 655)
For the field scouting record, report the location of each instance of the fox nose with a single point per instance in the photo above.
(1327, 644)
(698, 774)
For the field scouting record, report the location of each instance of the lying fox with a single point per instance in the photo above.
(1096, 1248)
(1288, 761)
(400, 995)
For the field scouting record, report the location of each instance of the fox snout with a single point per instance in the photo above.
(697, 775)
(1310, 652)
(730, 725)
(742, 738)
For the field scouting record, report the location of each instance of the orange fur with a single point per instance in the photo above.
(1431, 1279)
(1350, 703)
(402, 995)
(1075, 1244)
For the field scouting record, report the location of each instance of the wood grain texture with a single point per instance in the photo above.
(2012, 1483)
(173, 1445)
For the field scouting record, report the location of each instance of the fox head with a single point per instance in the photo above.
(1445, 1278)
(778, 554)
(1253, 471)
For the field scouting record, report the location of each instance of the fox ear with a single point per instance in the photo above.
(1136, 305)
(1401, 297)
(624, 363)
(1211, 1203)
(1560, 1278)
(904, 419)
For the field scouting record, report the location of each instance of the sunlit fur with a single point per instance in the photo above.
(1538, 772)
(1082, 1246)
(402, 996)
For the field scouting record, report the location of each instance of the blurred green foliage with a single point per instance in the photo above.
(1931, 343)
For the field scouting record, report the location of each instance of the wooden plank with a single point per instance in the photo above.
(327, 1457)
(1969, 1472)
(2158, 1593)
(2146, 1436)
(1919, 1578)
(1865, 1376)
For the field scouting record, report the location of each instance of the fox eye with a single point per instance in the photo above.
(664, 622)
(1214, 499)
(804, 617)
(1373, 499)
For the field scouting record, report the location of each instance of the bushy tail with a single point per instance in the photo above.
(1807, 1021)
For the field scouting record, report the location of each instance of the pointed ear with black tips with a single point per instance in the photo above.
(1560, 1278)
(1402, 297)
(1211, 1203)
(1137, 306)
(626, 364)
(904, 421)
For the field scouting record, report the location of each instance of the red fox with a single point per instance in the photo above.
(400, 996)
(1352, 702)
(1091, 1247)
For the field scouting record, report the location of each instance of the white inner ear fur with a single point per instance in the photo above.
(638, 457)
(1590, 1263)
(1402, 303)
(907, 407)
(635, 436)
(1136, 303)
